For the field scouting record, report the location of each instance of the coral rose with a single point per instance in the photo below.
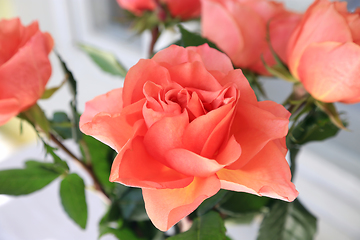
(183, 9)
(137, 6)
(187, 124)
(24, 66)
(324, 52)
(240, 29)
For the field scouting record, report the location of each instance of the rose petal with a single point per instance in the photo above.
(254, 41)
(111, 129)
(183, 9)
(8, 109)
(218, 136)
(29, 82)
(277, 109)
(267, 174)
(133, 166)
(230, 153)
(165, 134)
(198, 131)
(145, 70)
(195, 107)
(110, 103)
(14, 35)
(281, 28)
(213, 59)
(237, 77)
(137, 6)
(191, 164)
(320, 23)
(227, 30)
(330, 71)
(185, 74)
(178, 203)
(176, 55)
(255, 126)
(266, 9)
(157, 106)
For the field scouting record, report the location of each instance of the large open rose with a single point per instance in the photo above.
(187, 124)
(324, 52)
(24, 66)
(183, 9)
(239, 28)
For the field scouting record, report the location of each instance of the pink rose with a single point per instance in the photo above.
(137, 6)
(183, 9)
(239, 28)
(186, 124)
(24, 66)
(324, 52)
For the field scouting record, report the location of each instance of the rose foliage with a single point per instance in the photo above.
(185, 125)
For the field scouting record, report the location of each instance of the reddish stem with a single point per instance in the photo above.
(155, 33)
(87, 168)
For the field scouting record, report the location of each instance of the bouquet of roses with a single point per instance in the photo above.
(190, 141)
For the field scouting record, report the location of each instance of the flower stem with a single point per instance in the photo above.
(155, 33)
(87, 167)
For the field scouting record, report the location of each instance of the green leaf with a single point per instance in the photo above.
(121, 234)
(316, 126)
(132, 205)
(46, 165)
(50, 91)
(72, 193)
(242, 203)
(51, 150)
(193, 39)
(112, 215)
(62, 125)
(280, 72)
(293, 154)
(36, 117)
(101, 157)
(208, 226)
(105, 60)
(112, 223)
(147, 230)
(25, 181)
(76, 133)
(147, 20)
(69, 76)
(331, 111)
(288, 221)
(209, 203)
(279, 69)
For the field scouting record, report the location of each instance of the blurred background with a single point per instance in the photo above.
(328, 173)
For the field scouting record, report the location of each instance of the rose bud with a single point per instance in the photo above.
(183, 9)
(240, 29)
(324, 52)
